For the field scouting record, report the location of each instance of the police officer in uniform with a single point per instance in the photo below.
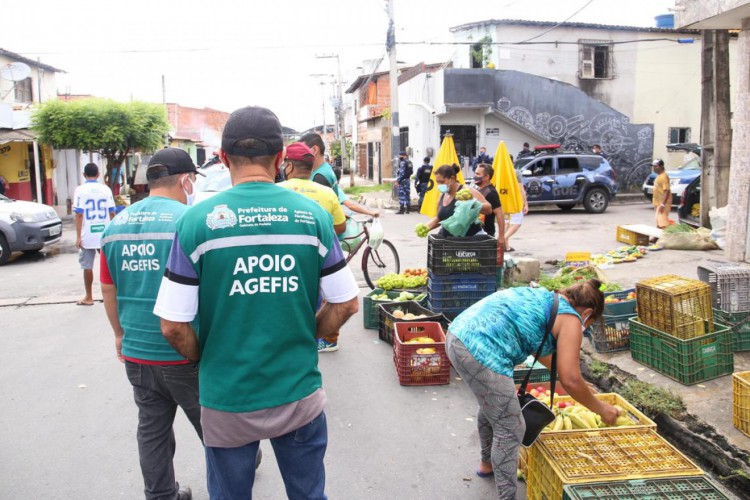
(405, 170)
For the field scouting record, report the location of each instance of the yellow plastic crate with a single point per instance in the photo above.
(741, 402)
(623, 454)
(675, 305)
(577, 259)
(631, 237)
(639, 421)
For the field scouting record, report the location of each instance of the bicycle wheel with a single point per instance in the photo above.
(377, 263)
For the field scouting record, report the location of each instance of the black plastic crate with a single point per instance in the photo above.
(388, 320)
(461, 255)
(611, 333)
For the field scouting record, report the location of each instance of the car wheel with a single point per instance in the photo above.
(649, 197)
(566, 207)
(596, 201)
(4, 250)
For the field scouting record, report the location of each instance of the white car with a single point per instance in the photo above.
(216, 180)
(26, 226)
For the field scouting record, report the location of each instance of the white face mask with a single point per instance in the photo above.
(583, 323)
(189, 197)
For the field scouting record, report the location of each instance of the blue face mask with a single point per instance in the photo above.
(443, 188)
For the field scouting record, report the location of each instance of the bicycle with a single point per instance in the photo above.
(375, 262)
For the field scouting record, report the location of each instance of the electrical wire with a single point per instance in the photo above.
(558, 24)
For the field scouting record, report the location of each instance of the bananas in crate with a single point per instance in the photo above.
(695, 210)
(572, 416)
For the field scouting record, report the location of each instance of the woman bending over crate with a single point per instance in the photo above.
(485, 343)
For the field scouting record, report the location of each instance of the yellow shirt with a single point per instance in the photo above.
(323, 195)
(661, 187)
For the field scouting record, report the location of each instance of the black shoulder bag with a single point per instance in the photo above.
(535, 413)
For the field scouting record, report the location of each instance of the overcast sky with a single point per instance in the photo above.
(226, 54)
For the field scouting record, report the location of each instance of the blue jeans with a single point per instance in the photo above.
(158, 391)
(300, 453)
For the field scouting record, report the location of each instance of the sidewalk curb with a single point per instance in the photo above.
(42, 301)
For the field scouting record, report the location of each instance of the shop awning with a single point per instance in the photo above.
(20, 135)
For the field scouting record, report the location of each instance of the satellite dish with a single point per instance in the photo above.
(15, 71)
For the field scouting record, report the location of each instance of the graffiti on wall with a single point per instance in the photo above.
(627, 147)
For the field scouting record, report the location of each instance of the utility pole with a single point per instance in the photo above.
(716, 133)
(340, 115)
(395, 130)
(323, 96)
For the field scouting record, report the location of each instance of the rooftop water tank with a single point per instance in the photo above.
(665, 21)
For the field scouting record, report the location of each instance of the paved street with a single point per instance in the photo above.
(68, 423)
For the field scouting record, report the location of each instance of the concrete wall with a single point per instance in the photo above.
(416, 99)
(556, 112)
(710, 14)
(655, 82)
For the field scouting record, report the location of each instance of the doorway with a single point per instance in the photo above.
(464, 138)
(33, 173)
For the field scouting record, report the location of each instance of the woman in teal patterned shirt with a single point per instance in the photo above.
(494, 335)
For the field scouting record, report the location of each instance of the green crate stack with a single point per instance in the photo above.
(371, 311)
(653, 489)
(739, 324)
(687, 361)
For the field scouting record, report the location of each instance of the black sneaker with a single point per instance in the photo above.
(185, 493)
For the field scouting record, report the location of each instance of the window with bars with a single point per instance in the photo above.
(23, 91)
(596, 59)
(679, 134)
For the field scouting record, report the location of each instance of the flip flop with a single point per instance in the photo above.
(511, 249)
(485, 474)
(82, 303)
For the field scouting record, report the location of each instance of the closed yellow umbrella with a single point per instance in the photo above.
(505, 181)
(446, 156)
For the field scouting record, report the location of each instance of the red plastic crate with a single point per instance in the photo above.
(415, 368)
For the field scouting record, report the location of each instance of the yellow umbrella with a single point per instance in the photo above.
(505, 181)
(446, 156)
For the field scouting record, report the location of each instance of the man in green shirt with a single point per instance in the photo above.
(135, 248)
(251, 263)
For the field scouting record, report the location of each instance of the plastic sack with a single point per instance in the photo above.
(349, 240)
(697, 240)
(376, 234)
(718, 217)
(464, 215)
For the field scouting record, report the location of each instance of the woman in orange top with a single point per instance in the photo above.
(662, 195)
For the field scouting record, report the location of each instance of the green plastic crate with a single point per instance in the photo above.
(686, 361)
(620, 308)
(676, 488)
(371, 312)
(739, 323)
(538, 374)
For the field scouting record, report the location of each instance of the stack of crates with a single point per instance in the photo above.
(462, 271)
(612, 331)
(564, 459)
(730, 296)
(741, 402)
(653, 489)
(675, 334)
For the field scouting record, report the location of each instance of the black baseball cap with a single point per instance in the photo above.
(176, 161)
(253, 122)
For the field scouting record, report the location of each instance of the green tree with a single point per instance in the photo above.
(112, 129)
